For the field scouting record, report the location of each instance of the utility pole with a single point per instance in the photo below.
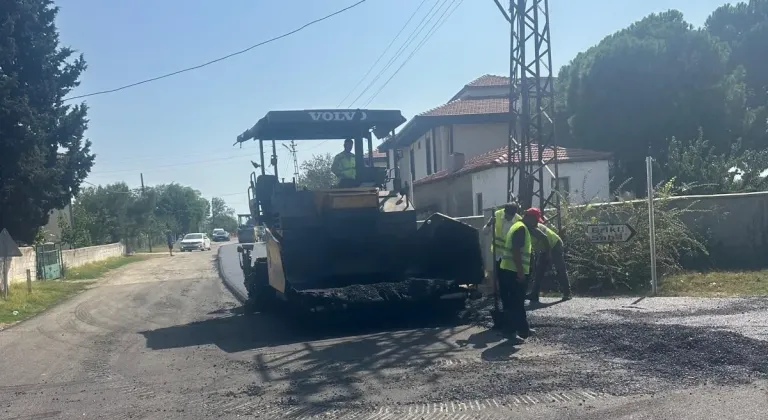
(213, 215)
(292, 150)
(149, 234)
(532, 147)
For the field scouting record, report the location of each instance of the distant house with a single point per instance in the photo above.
(53, 229)
(454, 155)
(379, 159)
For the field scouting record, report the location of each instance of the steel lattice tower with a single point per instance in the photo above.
(532, 147)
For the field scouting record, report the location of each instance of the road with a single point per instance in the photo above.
(164, 339)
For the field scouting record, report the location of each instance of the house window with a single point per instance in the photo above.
(479, 204)
(428, 142)
(412, 162)
(450, 139)
(562, 185)
(434, 151)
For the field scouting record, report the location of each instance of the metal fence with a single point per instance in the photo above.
(48, 261)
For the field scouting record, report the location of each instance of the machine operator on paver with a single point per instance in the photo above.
(358, 245)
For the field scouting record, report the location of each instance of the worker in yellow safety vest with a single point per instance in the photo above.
(550, 250)
(514, 270)
(344, 166)
(500, 223)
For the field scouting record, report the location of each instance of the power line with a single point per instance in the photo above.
(172, 165)
(292, 150)
(155, 156)
(383, 53)
(419, 28)
(306, 25)
(441, 20)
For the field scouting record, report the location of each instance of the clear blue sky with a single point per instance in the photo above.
(181, 129)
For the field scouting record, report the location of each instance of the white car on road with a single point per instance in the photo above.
(193, 241)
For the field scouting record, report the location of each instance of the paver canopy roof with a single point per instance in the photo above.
(323, 124)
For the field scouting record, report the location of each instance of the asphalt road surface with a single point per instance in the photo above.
(165, 339)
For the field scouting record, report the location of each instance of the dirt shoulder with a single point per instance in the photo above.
(23, 304)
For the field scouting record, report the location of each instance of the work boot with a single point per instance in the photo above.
(525, 334)
(567, 296)
(513, 337)
(532, 298)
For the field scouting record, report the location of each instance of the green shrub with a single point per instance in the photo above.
(625, 267)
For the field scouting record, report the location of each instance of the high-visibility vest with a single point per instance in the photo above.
(346, 165)
(498, 228)
(552, 238)
(507, 263)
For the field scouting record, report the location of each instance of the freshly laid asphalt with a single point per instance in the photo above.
(623, 347)
(229, 267)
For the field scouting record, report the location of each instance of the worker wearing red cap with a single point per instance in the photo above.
(549, 245)
(513, 274)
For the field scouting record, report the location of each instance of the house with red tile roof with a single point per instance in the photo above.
(455, 155)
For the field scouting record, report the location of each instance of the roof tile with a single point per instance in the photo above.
(470, 106)
(498, 157)
(489, 80)
(377, 155)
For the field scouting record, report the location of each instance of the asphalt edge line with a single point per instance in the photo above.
(226, 280)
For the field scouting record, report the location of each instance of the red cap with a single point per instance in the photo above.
(535, 212)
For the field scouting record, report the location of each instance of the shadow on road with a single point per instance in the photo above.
(233, 331)
(326, 372)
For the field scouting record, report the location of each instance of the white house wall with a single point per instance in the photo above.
(469, 139)
(589, 181)
(476, 139)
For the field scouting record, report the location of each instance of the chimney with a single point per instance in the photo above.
(456, 162)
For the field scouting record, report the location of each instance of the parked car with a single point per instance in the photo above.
(193, 241)
(220, 235)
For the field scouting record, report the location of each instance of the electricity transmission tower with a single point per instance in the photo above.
(532, 147)
(292, 151)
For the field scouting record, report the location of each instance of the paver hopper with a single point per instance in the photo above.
(342, 247)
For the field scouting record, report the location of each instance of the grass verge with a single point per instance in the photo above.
(98, 269)
(716, 283)
(22, 304)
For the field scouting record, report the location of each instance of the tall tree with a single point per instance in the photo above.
(316, 173)
(221, 211)
(184, 204)
(108, 211)
(638, 88)
(743, 27)
(44, 155)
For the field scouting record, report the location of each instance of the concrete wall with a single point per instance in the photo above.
(70, 258)
(736, 226)
(18, 266)
(76, 257)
